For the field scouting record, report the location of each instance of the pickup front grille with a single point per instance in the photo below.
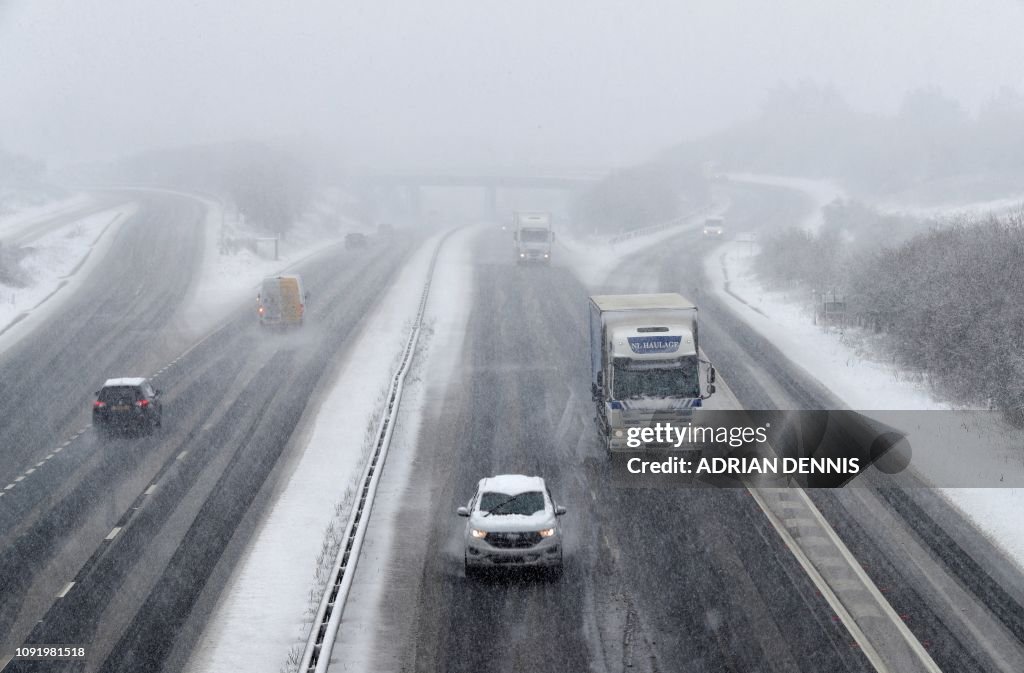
(513, 540)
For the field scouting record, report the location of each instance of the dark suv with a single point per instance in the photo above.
(127, 403)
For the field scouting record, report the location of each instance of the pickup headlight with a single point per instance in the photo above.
(547, 532)
(478, 534)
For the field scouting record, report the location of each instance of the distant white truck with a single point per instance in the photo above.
(645, 363)
(714, 226)
(533, 237)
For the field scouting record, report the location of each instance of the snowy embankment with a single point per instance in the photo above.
(12, 222)
(820, 192)
(280, 563)
(54, 264)
(843, 361)
(229, 278)
(970, 209)
(593, 259)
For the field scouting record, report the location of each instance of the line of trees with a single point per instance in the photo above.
(641, 196)
(949, 301)
(811, 130)
(271, 186)
(17, 169)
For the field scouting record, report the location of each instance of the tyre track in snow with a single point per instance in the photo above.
(167, 571)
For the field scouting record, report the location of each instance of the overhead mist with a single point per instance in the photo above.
(471, 85)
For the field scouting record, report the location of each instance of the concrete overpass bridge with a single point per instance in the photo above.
(409, 186)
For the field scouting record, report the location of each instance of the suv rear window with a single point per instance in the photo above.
(119, 394)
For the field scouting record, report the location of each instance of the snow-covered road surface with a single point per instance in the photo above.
(281, 559)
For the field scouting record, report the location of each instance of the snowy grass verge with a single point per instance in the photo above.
(846, 362)
(14, 221)
(52, 267)
(592, 259)
(820, 192)
(227, 279)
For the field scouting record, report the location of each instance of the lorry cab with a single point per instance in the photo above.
(654, 361)
(533, 237)
(281, 301)
(714, 226)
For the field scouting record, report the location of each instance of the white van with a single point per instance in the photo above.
(281, 301)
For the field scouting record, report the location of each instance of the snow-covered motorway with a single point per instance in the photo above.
(657, 580)
(135, 535)
(126, 531)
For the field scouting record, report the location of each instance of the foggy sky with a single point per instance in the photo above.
(469, 82)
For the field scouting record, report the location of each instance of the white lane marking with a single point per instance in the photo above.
(65, 590)
(149, 491)
(28, 472)
(113, 533)
(181, 456)
(65, 444)
(9, 487)
(58, 449)
(40, 463)
(17, 479)
(49, 456)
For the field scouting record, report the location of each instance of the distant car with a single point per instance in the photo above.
(356, 240)
(713, 226)
(127, 403)
(512, 522)
(385, 229)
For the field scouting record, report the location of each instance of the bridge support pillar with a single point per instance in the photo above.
(414, 200)
(491, 202)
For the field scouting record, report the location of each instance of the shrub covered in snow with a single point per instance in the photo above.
(948, 301)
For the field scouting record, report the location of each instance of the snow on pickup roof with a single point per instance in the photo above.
(511, 484)
(129, 381)
(623, 302)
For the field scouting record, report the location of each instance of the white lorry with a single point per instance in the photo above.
(533, 237)
(714, 226)
(645, 363)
